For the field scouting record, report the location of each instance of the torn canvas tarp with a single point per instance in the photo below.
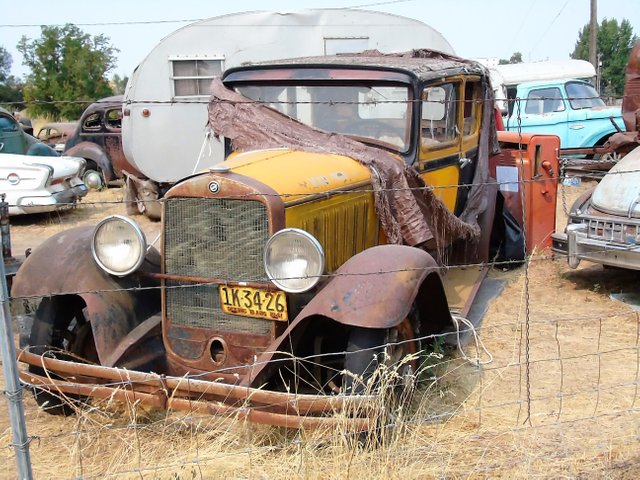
(408, 209)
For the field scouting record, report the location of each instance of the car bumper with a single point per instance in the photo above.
(45, 201)
(577, 246)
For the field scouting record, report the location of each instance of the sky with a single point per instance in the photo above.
(539, 29)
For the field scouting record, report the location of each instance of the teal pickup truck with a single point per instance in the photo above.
(570, 109)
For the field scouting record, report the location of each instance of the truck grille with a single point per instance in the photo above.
(617, 232)
(213, 238)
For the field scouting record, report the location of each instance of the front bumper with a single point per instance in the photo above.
(45, 201)
(577, 246)
(353, 413)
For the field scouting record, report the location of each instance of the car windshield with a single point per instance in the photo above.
(7, 124)
(377, 114)
(582, 95)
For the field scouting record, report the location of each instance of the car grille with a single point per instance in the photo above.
(213, 238)
(616, 232)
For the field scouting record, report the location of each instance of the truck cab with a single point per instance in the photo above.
(570, 109)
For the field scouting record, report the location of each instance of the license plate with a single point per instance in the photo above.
(253, 302)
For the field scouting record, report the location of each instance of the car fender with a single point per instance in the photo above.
(64, 265)
(91, 151)
(376, 288)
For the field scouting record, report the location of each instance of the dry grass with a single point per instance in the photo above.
(571, 412)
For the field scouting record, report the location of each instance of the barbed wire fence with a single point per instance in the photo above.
(550, 389)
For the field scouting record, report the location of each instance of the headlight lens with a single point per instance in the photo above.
(294, 260)
(118, 245)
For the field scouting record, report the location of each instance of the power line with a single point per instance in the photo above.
(99, 24)
(153, 22)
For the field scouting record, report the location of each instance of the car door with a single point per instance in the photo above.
(449, 136)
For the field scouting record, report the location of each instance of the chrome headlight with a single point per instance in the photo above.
(118, 245)
(293, 260)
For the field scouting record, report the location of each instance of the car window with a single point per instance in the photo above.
(544, 100)
(372, 112)
(472, 107)
(439, 125)
(92, 122)
(8, 124)
(114, 118)
(582, 95)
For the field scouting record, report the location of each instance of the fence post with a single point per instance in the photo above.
(13, 389)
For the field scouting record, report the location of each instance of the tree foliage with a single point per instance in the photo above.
(118, 84)
(10, 87)
(66, 65)
(614, 44)
(515, 58)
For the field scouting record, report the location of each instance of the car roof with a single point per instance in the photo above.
(551, 83)
(422, 64)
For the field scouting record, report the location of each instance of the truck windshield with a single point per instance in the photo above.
(377, 114)
(582, 95)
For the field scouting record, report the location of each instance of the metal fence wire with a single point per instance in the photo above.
(547, 386)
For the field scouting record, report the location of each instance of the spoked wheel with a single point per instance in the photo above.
(60, 330)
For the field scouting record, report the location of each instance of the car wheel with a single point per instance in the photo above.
(60, 330)
(93, 179)
(367, 350)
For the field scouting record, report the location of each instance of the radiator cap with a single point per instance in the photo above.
(219, 169)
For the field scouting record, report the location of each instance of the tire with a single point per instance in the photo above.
(60, 330)
(367, 349)
(364, 351)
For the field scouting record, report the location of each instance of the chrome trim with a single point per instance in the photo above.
(139, 234)
(314, 242)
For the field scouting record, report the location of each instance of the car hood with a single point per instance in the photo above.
(603, 112)
(618, 193)
(61, 166)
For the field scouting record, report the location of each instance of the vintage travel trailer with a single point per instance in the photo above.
(165, 103)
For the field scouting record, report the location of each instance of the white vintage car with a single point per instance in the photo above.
(35, 184)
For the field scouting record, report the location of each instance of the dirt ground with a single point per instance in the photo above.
(553, 395)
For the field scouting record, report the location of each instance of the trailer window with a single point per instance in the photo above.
(192, 78)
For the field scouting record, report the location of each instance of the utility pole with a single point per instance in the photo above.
(593, 35)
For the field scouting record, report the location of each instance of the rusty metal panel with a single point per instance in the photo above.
(631, 101)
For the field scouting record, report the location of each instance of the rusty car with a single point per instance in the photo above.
(55, 134)
(98, 139)
(353, 189)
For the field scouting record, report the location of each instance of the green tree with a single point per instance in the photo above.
(10, 87)
(515, 58)
(614, 45)
(118, 84)
(67, 65)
